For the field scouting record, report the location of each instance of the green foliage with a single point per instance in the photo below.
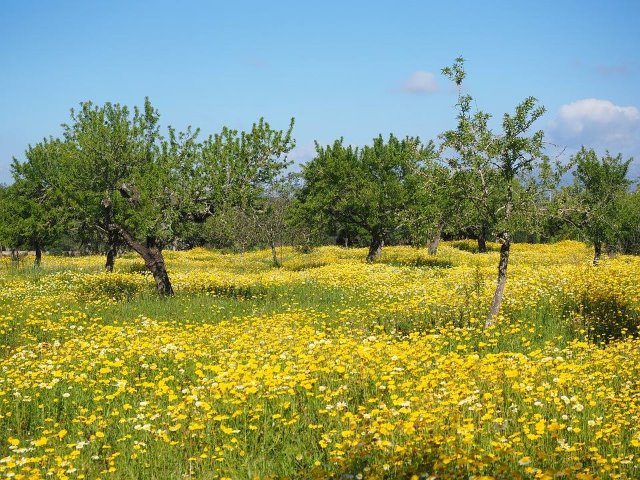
(598, 201)
(433, 208)
(114, 167)
(498, 179)
(363, 189)
(263, 219)
(496, 173)
(30, 213)
(233, 169)
(628, 218)
(114, 170)
(113, 179)
(113, 175)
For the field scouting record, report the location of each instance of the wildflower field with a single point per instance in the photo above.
(327, 367)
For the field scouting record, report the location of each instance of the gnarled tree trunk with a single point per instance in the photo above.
(111, 252)
(151, 253)
(155, 262)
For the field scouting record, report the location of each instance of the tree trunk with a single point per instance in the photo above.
(482, 240)
(155, 262)
(159, 271)
(375, 247)
(505, 248)
(152, 256)
(597, 246)
(502, 279)
(38, 259)
(274, 254)
(435, 241)
(111, 252)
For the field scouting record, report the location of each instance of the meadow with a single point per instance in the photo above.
(327, 367)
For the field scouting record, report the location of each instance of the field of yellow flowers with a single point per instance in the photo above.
(327, 367)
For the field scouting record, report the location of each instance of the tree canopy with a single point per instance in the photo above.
(116, 179)
(366, 190)
(596, 201)
(114, 173)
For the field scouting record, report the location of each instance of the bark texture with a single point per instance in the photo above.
(482, 240)
(502, 280)
(432, 248)
(112, 251)
(151, 253)
(375, 247)
(433, 245)
(38, 250)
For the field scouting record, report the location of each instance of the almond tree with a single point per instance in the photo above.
(31, 216)
(474, 185)
(365, 189)
(597, 195)
(434, 209)
(117, 178)
(118, 175)
(628, 217)
(502, 169)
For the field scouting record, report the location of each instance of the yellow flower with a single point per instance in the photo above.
(227, 430)
(40, 442)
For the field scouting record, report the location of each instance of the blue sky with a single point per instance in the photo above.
(350, 69)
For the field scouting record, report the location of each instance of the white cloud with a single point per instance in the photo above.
(601, 125)
(597, 123)
(420, 82)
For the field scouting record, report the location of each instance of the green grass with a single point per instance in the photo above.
(45, 317)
